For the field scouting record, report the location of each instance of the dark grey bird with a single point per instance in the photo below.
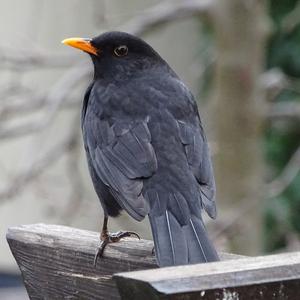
(146, 149)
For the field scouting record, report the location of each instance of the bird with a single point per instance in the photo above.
(146, 149)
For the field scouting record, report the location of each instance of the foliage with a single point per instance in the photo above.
(282, 140)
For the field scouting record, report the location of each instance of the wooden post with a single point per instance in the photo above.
(266, 277)
(57, 261)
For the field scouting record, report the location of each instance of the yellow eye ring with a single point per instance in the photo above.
(121, 51)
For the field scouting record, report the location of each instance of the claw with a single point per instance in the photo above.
(112, 238)
(100, 250)
(131, 233)
(96, 257)
(153, 251)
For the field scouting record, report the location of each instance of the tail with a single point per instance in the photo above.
(177, 244)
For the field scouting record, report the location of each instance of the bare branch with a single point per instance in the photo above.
(159, 15)
(289, 173)
(273, 82)
(35, 169)
(167, 12)
(55, 98)
(291, 20)
(284, 110)
(273, 189)
(236, 216)
(77, 189)
(29, 59)
(32, 101)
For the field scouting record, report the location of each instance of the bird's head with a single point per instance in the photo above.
(118, 55)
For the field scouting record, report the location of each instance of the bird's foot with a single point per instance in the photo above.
(108, 238)
(153, 251)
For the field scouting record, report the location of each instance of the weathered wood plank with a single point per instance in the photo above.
(265, 277)
(57, 261)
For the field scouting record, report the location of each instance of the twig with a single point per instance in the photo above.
(35, 169)
(284, 110)
(291, 20)
(289, 173)
(73, 172)
(167, 12)
(236, 217)
(28, 59)
(31, 102)
(159, 15)
(272, 82)
(273, 189)
(55, 98)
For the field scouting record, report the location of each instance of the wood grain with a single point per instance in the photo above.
(266, 277)
(57, 261)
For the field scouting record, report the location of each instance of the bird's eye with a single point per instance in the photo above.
(121, 50)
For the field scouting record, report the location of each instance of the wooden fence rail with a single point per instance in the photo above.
(264, 277)
(57, 263)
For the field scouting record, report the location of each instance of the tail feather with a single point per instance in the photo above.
(200, 247)
(170, 247)
(177, 244)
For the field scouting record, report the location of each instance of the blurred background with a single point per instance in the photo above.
(240, 58)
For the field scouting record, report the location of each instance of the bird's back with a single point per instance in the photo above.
(173, 177)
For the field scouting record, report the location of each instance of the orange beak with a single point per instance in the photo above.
(82, 44)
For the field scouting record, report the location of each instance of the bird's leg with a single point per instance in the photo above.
(107, 238)
(153, 251)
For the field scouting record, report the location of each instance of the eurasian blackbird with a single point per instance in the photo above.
(146, 149)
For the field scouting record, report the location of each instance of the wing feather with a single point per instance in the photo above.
(122, 156)
(198, 157)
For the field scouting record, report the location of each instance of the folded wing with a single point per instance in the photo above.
(197, 153)
(122, 156)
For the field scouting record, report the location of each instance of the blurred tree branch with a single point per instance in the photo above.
(167, 12)
(23, 178)
(288, 174)
(54, 100)
(284, 111)
(73, 173)
(30, 59)
(159, 15)
(272, 189)
(291, 20)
